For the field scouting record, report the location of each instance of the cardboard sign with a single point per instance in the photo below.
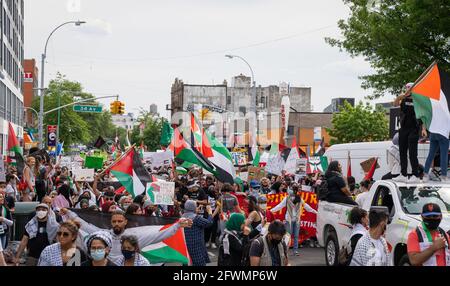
(161, 192)
(256, 173)
(158, 159)
(84, 175)
(367, 164)
(239, 158)
(301, 167)
(2, 171)
(93, 162)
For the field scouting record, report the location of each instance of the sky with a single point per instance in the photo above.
(136, 48)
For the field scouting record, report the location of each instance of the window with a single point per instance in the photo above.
(383, 197)
(228, 99)
(243, 110)
(290, 130)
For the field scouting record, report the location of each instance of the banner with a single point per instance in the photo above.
(93, 162)
(273, 201)
(84, 175)
(308, 220)
(162, 192)
(51, 135)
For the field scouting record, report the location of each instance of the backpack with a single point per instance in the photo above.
(322, 190)
(245, 261)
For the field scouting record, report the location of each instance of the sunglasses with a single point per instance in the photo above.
(109, 199)
(64, 234)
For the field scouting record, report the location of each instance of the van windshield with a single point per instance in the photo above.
(413, 198)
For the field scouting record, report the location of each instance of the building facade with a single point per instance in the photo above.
(12, 72)
(125, 121)
(29, 87)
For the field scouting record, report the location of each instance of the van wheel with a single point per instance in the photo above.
(404, 261)
(331, 250)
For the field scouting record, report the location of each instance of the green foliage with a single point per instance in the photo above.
(151, 135)
(400, 39)
(359, 124)
(75, 127)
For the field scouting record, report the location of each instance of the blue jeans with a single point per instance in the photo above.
(438, 141)
(293, 228)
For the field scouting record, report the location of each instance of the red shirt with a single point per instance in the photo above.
(414, 247)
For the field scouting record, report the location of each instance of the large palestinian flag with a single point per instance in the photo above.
(431, 95)
(15, 156)
(173, 249)
(131, 173)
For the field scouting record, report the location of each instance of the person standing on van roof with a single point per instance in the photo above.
(408, 136)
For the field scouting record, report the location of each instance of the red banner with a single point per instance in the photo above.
(308, 220)
(273, 201)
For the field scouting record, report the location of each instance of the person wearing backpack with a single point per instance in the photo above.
(428, 244)
(270, 249)
(359, 219)
(234, 240)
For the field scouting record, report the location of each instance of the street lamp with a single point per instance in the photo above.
(253, 100)
(41, 102)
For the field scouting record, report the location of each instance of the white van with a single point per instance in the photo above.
(360, 152)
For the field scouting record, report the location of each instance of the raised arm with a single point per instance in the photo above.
(85, 226)
(280, 206)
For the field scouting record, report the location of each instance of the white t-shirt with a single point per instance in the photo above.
(380, 252)
(361, 198)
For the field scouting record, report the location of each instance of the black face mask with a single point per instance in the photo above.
(432, 224)
(275, 242)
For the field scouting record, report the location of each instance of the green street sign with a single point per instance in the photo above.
(87, 108)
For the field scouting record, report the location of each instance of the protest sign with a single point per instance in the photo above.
(308, 220)
(256, 173)
(83, 175)
(275, 165)
(161, 192)
(273, 201)
(2, 171)
(365, 165)
(93, 162)
(158, 159)
(65, 161)
(301, 167)
(239, 158)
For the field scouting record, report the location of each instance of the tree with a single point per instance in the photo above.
(400, 39)
(359, 124)
(151, 134)
(74, 127)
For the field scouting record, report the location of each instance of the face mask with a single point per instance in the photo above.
(98, 254)
(41, 214)
(128, 254)
(125, 206)
(275, 241)
(432, 224)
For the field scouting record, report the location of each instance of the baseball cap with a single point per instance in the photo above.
(254, 184)
(431, 209)
(41, 205)
(192, 184)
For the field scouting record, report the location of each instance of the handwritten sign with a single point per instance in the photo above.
(161, 192)
(83, 175)
(158, 159)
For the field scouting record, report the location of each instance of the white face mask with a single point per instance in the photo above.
(41, 214)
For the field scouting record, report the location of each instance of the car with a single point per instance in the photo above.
(404, 202)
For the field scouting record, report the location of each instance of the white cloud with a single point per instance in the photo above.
(96, 27)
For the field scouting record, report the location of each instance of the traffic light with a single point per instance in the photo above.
(113, 107)
(120, 107)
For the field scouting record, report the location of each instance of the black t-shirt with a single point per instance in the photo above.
(335, 184)
(408, 117)
(229, 203)
(199, 195)
(257, 250)
(38, 243)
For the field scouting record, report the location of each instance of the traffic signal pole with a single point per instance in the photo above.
(79, 101)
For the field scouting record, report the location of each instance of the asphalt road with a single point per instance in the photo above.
(308, 257)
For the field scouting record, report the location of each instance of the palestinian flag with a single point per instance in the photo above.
(166, 134)
(170, 250)
(371, 172)
(257, 158)
(206, 147)
(431, 95)
(221, 159)
(131, 173)
(349, 165)
(196, 135)
(15, 156)
(184, 151)
(318, 164)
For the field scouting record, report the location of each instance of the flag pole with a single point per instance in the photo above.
(117, 160)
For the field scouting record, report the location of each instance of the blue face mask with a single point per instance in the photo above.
(98, 254)
(127, 254)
